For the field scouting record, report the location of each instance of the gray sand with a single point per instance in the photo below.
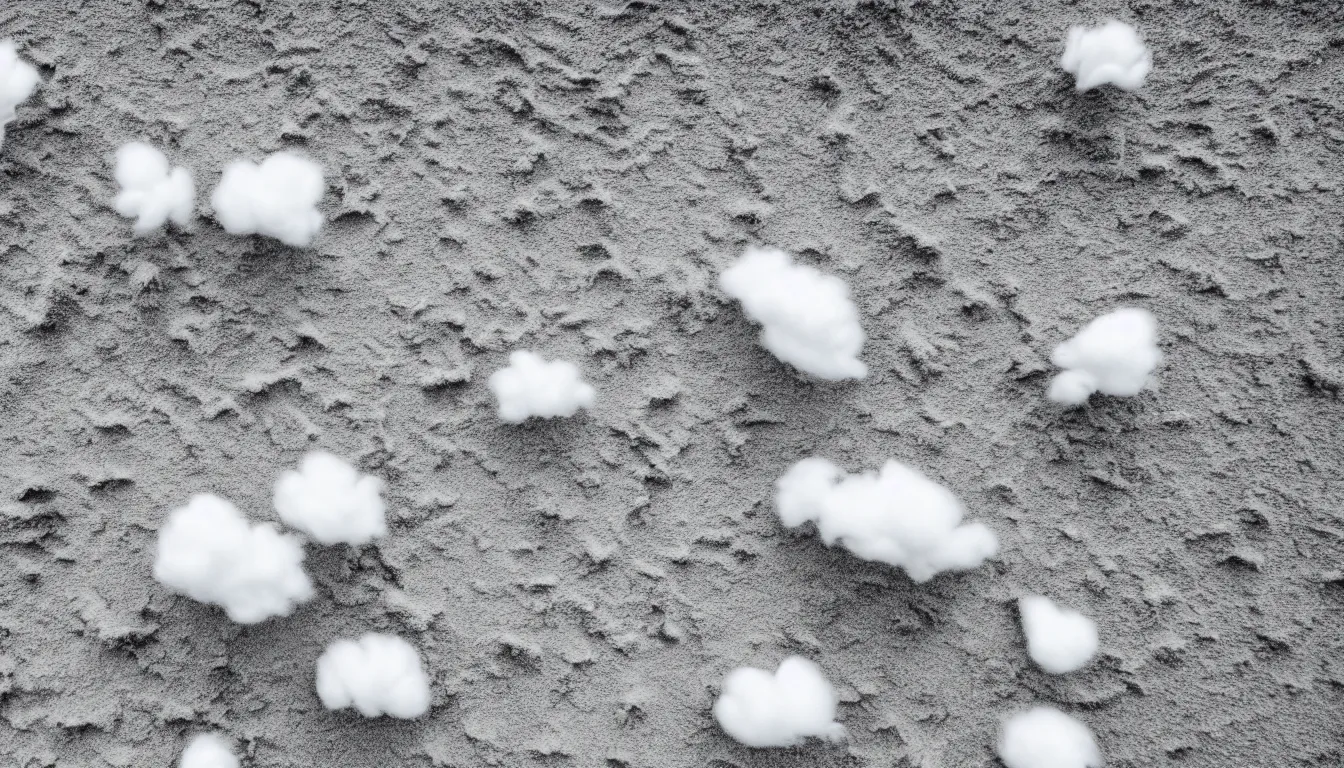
(571, 178)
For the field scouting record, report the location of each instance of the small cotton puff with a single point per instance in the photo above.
(1059, 640)
(329, 500)
(807, 318)
(531, 387)
(208, 751)
(1111, 53)
(1047, 738)
(377, 675)
(18, 80)
(759, 709)
(1114, 354)
(208, 552)
(277, 198)
(152, 193)
(896, 516)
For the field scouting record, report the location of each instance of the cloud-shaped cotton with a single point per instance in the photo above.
(1047, 738)
(208, 751)
(18, 80)
(1058, 640)
(807, 318)
(1112, 53)
(152, 193)
(377, 675)
(896, 516)
(330, 501)
(1114, 354)
(277, 198)
(208, 552)
(530, 387)
(780, 710)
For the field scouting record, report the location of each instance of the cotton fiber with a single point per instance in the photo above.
(1058, 640)
(329, 500)
(208, 751)
(1112, 53)
(1047, 738)
(530, 386)
(18, 80)
(152, 193)
(277, 198)
(208, 552)
(807, 318)
(377, 675)
(896, 516)
(780, 710)
(1114, 354)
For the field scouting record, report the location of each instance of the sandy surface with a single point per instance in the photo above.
(570, 178)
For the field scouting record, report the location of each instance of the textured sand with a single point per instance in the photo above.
(570, 178)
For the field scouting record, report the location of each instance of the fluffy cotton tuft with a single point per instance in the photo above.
(277, 198)
(1114, 354)
(896, 516)
(807, 318)
(780, 710)
(1059, 640)
(1047, 738)
(377, 675)
(1112, 53)
(152, 193)
(18, 80)
(208, 751)
(329, 500)
(530, 386)
(208, 552)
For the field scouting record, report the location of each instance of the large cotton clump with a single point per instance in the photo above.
(152, 193)
(329, 500)
(807, 318)
(1047, 738)
(208, 552)
(1114, 354)
(780, 710)
(18, 80)
(377, 675)
(896, 516)
(530, 387)
(277, 198)
(208, 751)
(1058, 640)
(1112, 53)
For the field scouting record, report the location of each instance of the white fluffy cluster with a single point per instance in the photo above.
(18, 80)
(208, 552)
(897, 516)
(329, 500)
(152, 193)
(807, 318)
(1114, 354)
(277, 198)
(530, 386)
(208, 751)
(1058, 640)
(780, 710)
(1112, 53)
(1047, 738)
(377, 675)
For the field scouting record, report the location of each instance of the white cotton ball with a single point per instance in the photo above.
(151, 192)
(1047, 738)
(759, 709)
(208, 751)
(329, 500)
(208, 552)
(897, 516)
(530, 387)
(1112, 53)
(277, 198)
(18, 80)
(377, 675)
(1114, 354)
(1059, 640)
(807, 318)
